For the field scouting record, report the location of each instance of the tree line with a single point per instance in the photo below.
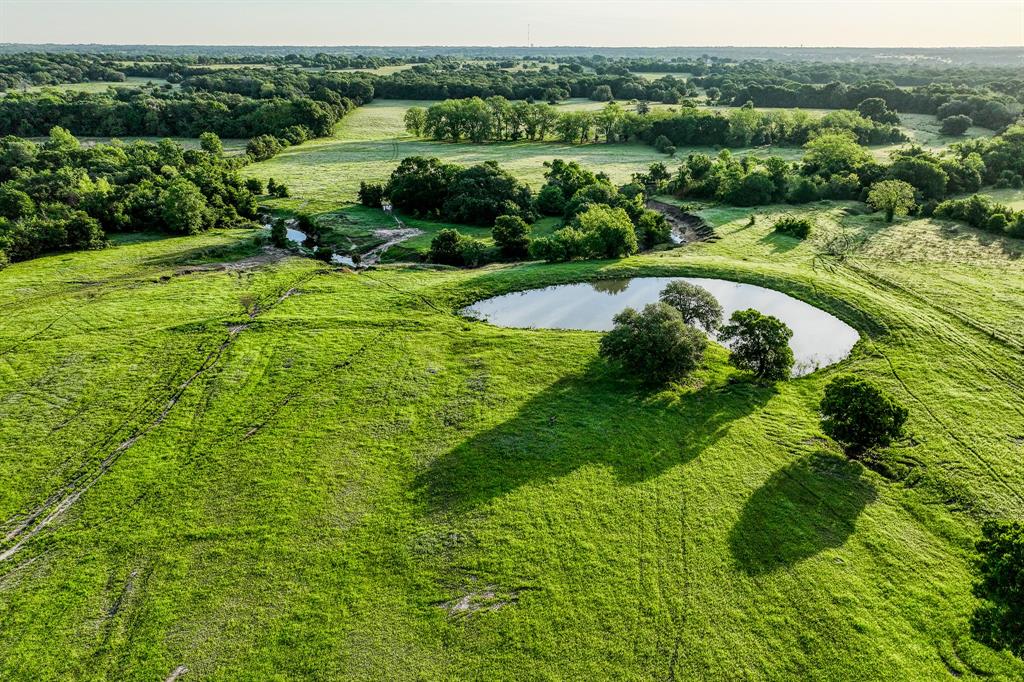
(497, 119)
(148, 112)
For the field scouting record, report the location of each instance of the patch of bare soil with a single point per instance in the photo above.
(485, 599)
(270, 254)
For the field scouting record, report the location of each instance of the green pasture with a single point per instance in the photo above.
(266, 468)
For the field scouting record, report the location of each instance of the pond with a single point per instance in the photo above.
(819, 339)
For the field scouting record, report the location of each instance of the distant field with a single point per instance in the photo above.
(1014, 198)
(371, 141)
(380, 70)
(922, 129)
(653, 76)
(232, 147)
(100, 86)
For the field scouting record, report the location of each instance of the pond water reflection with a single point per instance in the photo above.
(819, 339)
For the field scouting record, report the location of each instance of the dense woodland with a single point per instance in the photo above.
(61, 195)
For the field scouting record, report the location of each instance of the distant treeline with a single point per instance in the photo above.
(47, 68)
(985, 109)
(911, 56)
(132, 112)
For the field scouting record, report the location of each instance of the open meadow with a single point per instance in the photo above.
(372, 140)
(311, 472)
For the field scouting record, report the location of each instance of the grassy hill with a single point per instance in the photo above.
(256, 467)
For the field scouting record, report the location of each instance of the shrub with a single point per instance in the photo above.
(1000, 621)
(512, 235)
(550, 200)
(296, 134)
(602, 93)
(956, 125)
(263, 147)
(858, 415)
(654, 343)
(371, 194)
(609, 231)
(279, 234)
(759, 343)
(895, 197)
(564, 245)
(254, 185)
(792, 226)
(15, 204)
(661, 143)
(324, 253)
(983, 213)
(446, 247)
(472, 251)
(695, 304)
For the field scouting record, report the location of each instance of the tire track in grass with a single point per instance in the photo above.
(884, 283)
(63, 499)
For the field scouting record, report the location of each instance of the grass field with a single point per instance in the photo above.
(267, 469)
(101, 86)
(371, 141)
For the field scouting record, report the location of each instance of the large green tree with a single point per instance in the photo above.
(759, 343)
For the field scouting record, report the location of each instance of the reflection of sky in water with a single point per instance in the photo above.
(819, 339)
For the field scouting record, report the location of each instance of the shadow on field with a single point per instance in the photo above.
(779, 243)
(595, 417)
(805, 507)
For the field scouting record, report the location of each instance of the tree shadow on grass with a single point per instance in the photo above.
(780, 243)
(595, 417)
(807, 506)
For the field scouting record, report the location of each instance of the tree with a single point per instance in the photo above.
(695, 304)
(14, 203)
(254, 185)
(415, 120)
(877, 109)
(263, 147)
(921, 172)
(609, 120)
(183, 207)
(211, 144)
(609, 231)
(279, 234)
(895, 197)
(371, 194)
(550, 200)
(956, 125)
(759, 343)
(834, 152)
(859, 415)
(654, 343)
(446, 247)
(602, 93)
(420, 185)
(481, 193)
(512, 235)
(1000, 621)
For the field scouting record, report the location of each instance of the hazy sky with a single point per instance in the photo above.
(871, 23)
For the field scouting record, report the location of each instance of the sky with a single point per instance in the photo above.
(604, 23)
